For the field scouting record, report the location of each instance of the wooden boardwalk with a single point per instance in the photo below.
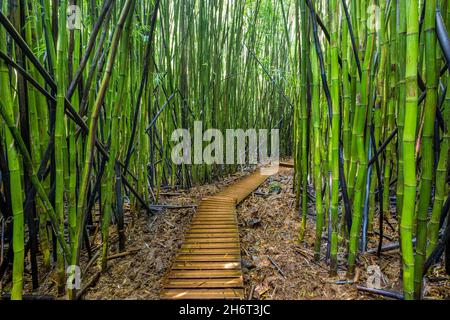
(208, 265)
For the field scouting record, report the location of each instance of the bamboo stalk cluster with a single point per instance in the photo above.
(88, 109)
(374, 86)
(358, 89)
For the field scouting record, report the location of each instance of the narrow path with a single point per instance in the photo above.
(208, 265)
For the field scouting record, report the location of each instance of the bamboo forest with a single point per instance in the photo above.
(224, 149)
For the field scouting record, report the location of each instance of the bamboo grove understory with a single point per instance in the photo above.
(357, 88)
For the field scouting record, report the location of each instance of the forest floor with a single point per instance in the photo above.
(275, 265)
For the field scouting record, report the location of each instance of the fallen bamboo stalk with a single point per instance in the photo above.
(91, 262)
(384, 293)
(250, 294)
(258, 193)
(170, 194)
(29, 297)
(170, 206)
(97, 254)
(277, 266)
(388, 247)
(91, 282)
(122, 254)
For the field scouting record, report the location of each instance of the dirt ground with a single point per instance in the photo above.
(156, 240)
(275, 264)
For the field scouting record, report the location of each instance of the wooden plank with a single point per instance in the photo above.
(229, 238)
(286, 164)
(223, 251)
(216, 210)
(205, 283)
(227, 218)
(217, 205)
(218, 198)
(205, 265)
(199, 235)
(209, 225)
(210, 257)
(214, 222)
(212, 235)
(215, 219)
(223, 236)
(214, 230)
(205, 274)
(211, 209)
(210, 245)
(216, 214)
(229, 204)
(202, 294)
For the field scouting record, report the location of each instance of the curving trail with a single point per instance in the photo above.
(208, 265)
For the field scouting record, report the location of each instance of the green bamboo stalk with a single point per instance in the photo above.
(427, 163)
(380, 104)
(335, 132)
(346, 88)
(15, 179)
(50, 42)
(73, 149)
(303, 116)
(28, 166)
(401, 54)
(60, 144)
(114, 150)
(409, 140)
(315, 115)
(90, 142)
(352, 163)
(390, 117)
(360, 149)
(441, 189)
